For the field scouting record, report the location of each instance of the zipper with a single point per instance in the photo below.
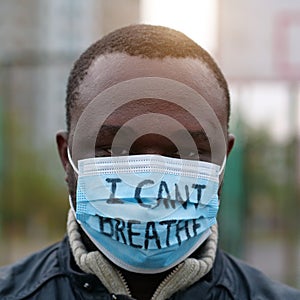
(122, 278)
(164, 282)
(159, 288)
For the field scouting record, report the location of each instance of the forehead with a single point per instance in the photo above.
(111, 69)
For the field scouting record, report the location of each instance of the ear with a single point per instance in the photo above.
(62, 146)
(230, 143)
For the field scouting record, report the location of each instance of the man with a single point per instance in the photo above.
(144, 151)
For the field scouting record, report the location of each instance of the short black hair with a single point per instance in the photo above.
(147, 41)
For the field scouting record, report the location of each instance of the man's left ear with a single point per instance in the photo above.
(230, 143)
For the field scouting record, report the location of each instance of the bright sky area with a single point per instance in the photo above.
(262, 104)
(195, 18)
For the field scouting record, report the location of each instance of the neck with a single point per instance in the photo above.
(89, 245)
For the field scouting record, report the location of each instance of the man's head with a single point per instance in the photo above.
(141, 52)
(145, 41)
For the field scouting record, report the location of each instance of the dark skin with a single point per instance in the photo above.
(114, 68)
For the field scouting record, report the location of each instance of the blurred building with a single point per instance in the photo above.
(40, 40)
(258, 50)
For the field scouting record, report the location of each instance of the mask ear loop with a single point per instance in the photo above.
(223, 165)
(76, 170)
(72, 206)
(71, 161)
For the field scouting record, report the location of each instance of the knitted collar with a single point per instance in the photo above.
(183, 276)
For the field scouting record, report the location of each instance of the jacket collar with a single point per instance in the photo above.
(80, 279)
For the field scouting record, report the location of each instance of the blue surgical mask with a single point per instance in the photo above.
(146, 213)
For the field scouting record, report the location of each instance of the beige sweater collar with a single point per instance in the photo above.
(184, 275)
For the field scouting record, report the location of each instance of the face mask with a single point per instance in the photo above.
(146, 213)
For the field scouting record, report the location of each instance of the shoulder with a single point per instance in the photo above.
(23, 278)
(257, 284)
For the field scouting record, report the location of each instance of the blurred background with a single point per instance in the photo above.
(257, 45)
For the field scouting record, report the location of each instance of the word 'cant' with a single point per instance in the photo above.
(163, 193)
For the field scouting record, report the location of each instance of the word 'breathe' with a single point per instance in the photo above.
(149, 235)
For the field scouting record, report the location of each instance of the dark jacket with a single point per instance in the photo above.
(52, 274)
